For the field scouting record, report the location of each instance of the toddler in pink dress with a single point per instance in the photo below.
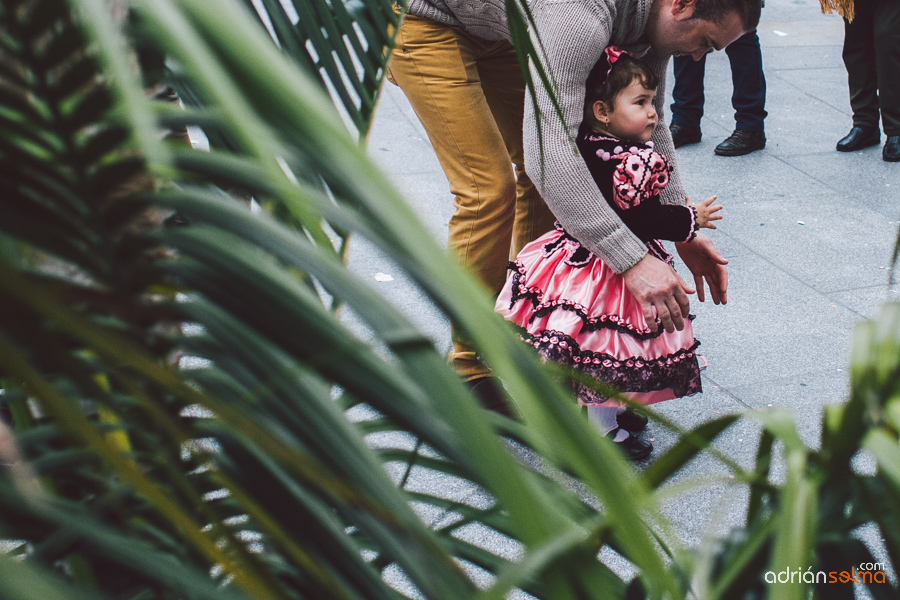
(573, 307)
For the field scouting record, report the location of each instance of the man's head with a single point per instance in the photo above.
(692, 27)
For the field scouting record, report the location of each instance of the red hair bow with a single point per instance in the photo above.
(612, 54)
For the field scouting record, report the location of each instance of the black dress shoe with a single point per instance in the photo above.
(682, 135)
(859, 138)
(742, 142)
(891, 152)
(631, 421)
(632, 447)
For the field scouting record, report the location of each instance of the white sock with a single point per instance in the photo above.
(621, 436)
(603, 418)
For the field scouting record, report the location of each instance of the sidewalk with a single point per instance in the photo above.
(808, 232)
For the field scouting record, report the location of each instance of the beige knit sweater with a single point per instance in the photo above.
(574, 34)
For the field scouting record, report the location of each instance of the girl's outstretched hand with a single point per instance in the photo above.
(706, 213)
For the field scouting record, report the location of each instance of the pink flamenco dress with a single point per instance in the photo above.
(575, 310)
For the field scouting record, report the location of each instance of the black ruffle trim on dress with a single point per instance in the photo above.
(679, 371)
(613, 322)
(578, 256)
(519, 290)
(534, 295)
(657, 249)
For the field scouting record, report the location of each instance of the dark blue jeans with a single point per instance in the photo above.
(748, 98)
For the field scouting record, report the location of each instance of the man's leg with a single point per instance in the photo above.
(859, 59)
(748, 97)
(688, 99)
(435, 65)
(887, 63)
(687, 93)
(504, 89)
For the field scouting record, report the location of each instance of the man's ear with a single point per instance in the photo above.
(601, 111)
(683, 8)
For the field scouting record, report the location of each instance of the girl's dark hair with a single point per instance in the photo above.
(625, 70)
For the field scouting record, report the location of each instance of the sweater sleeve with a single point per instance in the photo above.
(573, 34)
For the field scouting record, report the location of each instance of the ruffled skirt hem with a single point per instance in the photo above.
(576, 311)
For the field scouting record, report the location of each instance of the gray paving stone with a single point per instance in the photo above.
(865, 302)
(796, 235)
(862, 178)
(805, 393)
(772, 326)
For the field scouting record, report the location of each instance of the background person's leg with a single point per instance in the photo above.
(886, 37)
(749, 95)
(887, 64)
(435, 66)
(687, 93)
(859, 59)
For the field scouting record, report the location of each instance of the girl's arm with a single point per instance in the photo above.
(637, 178)
(654, 221)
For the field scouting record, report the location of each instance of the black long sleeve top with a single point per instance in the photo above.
(630, 175)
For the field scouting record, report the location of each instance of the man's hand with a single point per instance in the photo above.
(660, 292)
(705, 262)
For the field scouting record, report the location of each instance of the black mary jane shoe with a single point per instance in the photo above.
(891, 151)
(859, 138)
(632, 421)
(632, 447)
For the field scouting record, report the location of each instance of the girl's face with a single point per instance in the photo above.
(633, 115)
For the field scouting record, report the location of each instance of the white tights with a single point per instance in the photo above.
(604, 419)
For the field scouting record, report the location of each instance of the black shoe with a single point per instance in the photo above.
(891, 152)
(632, 447)
(859, 138)
(486, 390)
(742, 142)
(631, 421)
(682, 135)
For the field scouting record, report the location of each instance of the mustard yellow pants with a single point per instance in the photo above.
(469, 95)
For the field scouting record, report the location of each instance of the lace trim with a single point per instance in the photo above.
(657, 249)
(519, 290)
(679, 371)
(578, 256)
(541, 309)
(613, 322)
(694, 226)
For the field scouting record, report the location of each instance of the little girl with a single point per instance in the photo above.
(574, 308)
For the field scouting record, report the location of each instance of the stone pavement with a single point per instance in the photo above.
(808, 232)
